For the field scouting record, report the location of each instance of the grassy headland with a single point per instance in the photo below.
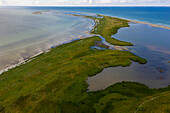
(55, 82)
(60, 74)
(107, 26)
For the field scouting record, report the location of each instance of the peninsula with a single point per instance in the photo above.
(55, 82)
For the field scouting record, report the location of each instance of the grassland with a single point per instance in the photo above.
(107, 26)
(55, 82)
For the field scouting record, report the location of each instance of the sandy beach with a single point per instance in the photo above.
(153, 25)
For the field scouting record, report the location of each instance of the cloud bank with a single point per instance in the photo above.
(83, 2)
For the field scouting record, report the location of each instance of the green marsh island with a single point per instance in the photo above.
(55, 82)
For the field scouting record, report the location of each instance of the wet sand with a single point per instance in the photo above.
(21, 61)
(153, 25)
(140, 22)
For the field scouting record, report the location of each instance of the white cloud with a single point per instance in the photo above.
(133, 1)
(104, 1)
(90, 1)
(85, 2)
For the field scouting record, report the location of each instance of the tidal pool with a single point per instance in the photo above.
(152, 44)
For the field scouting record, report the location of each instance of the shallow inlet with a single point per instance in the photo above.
(150, 43)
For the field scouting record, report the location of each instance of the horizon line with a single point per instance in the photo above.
(85, 5)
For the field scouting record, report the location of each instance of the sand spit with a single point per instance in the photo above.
(153, 25)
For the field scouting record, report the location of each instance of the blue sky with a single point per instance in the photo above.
(85, 2)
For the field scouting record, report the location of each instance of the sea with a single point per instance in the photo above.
(154, 15)
(24, 34)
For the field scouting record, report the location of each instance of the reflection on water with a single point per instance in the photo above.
(152, 44)
(23, 34)
(136, 72)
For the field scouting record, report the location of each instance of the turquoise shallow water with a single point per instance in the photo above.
(23, 34)
(155, 15)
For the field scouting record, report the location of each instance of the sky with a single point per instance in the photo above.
(84, 2)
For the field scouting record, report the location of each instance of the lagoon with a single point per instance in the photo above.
(29, 34)
(151, 43)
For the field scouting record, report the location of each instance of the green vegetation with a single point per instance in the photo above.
(58, 77)
(107, 26)
(157, 104)
(103, 46)
(55, 82)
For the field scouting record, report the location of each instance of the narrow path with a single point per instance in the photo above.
(150, 100)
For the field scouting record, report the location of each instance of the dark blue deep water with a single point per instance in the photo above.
(155, 15)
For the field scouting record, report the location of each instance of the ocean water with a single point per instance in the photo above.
(23, 34)
(155, 15)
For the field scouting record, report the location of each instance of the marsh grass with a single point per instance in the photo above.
(55, 82)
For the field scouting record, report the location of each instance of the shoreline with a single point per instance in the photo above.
(56, 81)
(134, 21)
(152, 25)
(140, 22)
(23, 61)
